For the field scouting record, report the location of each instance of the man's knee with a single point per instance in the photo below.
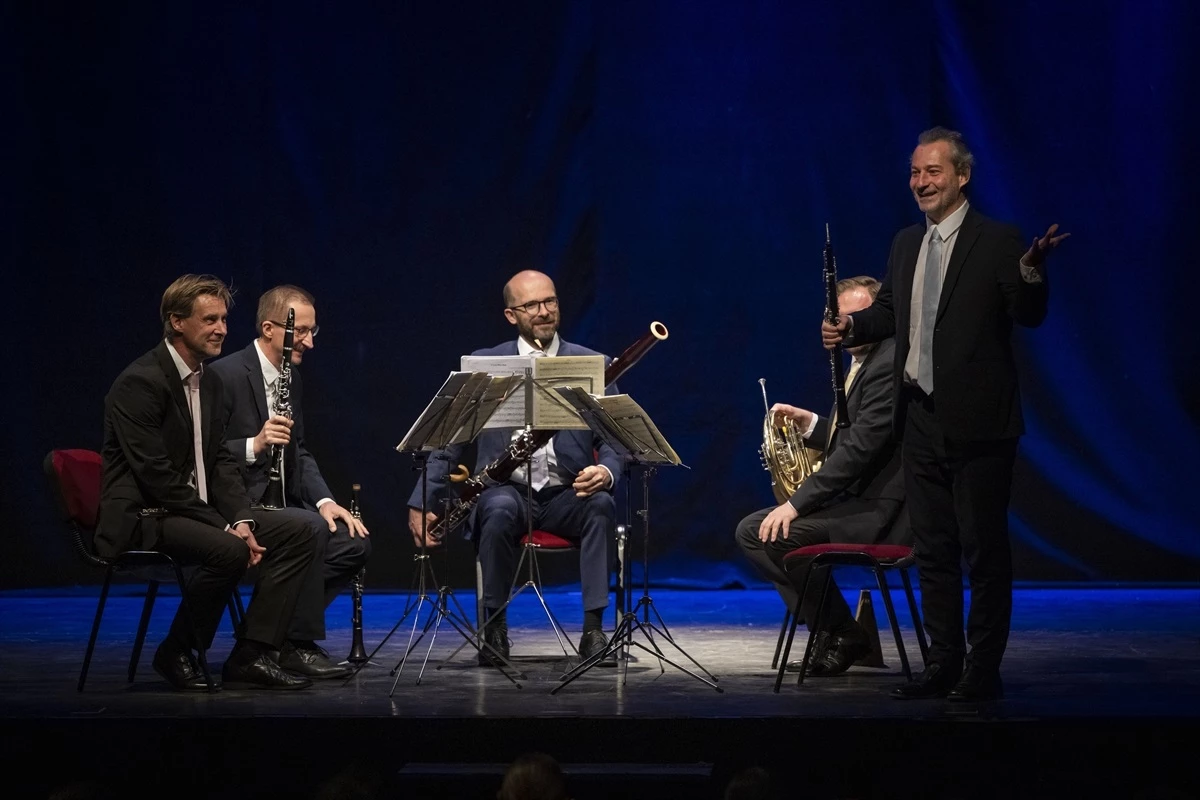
(601, 504)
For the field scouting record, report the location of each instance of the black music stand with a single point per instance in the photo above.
(632, 434)
(530, 385)
(455, 415)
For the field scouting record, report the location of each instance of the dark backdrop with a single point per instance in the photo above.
(671, 161)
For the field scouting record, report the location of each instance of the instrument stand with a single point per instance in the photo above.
(527, 552)
(441, 420)
(623, 637)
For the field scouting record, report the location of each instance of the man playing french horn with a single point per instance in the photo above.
(856, 494)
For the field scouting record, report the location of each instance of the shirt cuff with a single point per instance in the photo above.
(250, 459)
(1030, 274)
(812, 426)
(610, 475)
(323, 501)
(249, 522)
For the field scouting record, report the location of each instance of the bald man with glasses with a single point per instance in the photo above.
(573, 480)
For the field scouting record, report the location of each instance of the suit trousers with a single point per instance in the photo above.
(958, 494)
(851, 517)
(501, 519)
(338, 558)
(220, 559)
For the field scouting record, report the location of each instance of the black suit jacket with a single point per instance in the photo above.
(148, 453)
(863, 460)
(245, 395)
(975, 390)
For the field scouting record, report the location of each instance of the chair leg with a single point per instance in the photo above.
(143, 624)
(91, 645)
(783, 629)
(891, 612)
(817, 623)
(237, 611)
(916, 616)
(795, 620)
(187, 609)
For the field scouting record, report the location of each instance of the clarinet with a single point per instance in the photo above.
(282, 407)
(831, 316)
(358, 653)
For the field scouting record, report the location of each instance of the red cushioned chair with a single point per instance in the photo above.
(75, 477)
(879, 558)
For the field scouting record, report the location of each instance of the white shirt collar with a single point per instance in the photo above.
(525, 348)
(270, 371)
(950, 225)
(180, 364)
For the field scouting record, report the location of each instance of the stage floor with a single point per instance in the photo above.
(1102, 687)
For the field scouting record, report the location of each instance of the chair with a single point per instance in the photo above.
(879, 558)
(75, 478)
(531, 545)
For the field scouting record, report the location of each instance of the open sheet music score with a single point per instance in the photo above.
(458, 410)
(619, 420)
(550, 410)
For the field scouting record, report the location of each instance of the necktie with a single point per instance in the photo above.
(931, 290)
(197, 441)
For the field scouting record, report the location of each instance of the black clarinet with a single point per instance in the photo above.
(282, 407)
(358, 653)
(831, 316)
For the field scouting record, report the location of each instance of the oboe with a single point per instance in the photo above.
(358, 653)
(831, 316)
(282, 407)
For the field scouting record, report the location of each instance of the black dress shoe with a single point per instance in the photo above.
(842, 653)
(815, 667)
(311, 662)
(251, 670)
(934, 681)
(495, 635)
(977, 686)
(594, 643)
(180, 669)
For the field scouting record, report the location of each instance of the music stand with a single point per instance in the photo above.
(629, 431)
(456, 414)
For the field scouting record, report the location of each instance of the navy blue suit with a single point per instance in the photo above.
(499, 518)
(339, 555)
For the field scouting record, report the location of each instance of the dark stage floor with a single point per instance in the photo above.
(1103, 697)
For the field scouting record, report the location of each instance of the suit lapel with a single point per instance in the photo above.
(968, 235)
(171, 372)
(254, 374)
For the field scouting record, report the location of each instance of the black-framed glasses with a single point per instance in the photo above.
(531, 308)
(301, 331)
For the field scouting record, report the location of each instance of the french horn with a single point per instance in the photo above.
(784, 454)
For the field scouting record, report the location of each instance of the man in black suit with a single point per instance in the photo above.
(955, 285)
(855, 496)
(250, 380)
(170, 485)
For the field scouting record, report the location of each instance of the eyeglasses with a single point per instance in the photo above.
(531, 308)
(300, 332)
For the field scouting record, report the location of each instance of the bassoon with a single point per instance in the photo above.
(527, 443)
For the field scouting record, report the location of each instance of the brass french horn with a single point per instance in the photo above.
(784, 453)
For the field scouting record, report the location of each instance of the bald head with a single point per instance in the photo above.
(531, 304)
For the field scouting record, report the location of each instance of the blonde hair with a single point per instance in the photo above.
(180, 298)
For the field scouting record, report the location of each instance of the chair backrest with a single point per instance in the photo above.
(75, 477)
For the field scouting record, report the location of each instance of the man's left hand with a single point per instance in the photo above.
(776, 524)
(1042, 246)
(590, 480)
(331, 512)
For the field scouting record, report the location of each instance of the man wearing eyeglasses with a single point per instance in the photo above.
(251, 382)
(572, 482)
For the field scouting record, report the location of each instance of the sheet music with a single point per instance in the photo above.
(624, 425)
(637, 424)
(550, 411)
(419, 435)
